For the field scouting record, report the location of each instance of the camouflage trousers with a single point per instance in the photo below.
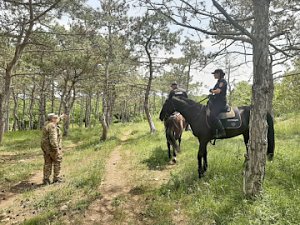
(52, 159)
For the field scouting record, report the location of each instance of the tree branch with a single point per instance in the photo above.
(231, 20)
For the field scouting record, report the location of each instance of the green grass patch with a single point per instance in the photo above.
(218, 197)
(215, 199)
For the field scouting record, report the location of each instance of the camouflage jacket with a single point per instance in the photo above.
(51, 137)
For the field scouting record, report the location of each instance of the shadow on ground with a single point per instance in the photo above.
(158, 160)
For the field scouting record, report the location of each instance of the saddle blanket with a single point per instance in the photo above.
(232, 119)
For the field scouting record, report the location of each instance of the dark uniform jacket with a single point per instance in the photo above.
(178, 92)
(221, 97)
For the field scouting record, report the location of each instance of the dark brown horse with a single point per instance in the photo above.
(195, 115)
(174, 126)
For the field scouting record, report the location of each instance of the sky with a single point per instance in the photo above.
(204, 76)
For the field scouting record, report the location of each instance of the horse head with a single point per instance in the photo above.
(167, 109)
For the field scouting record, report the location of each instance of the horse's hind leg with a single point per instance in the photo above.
(169, 149)
(174, 153)
(179, 143)
(246, 139)
(175, 150)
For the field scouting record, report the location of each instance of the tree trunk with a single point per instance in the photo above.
(105, 129)
(53, 96)
(188, 79)
(106, 98)
(7, 116)
(88, 106)
(22, 123)
(228, 66)
(32, 100)
(1, 118)
(68, 105)
(66, 125)
(105, 107)
(4, 98)
(42, 103)
(154, 103)
(81, 111)
(141, 103)
(257, 146)
(15, 112)
(97, 105)
(147, 93)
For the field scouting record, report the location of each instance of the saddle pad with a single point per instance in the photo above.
(232, 122)
(225, 115)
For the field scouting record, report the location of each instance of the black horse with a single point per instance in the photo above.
(195, 115)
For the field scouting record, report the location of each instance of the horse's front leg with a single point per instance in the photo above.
(205, 157)
(202, 155)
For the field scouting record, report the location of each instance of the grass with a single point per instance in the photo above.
(218, 197)
(82, 168)
(19, 156)
(215, 199)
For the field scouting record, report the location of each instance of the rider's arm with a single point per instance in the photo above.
(219, 89)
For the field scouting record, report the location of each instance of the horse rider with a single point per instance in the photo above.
(217, 103)
(176, 91)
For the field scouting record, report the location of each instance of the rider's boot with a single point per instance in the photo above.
(220, 131)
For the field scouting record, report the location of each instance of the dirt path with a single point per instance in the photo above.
(122, 200)
(116, 202)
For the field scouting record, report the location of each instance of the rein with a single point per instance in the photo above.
(204, 99)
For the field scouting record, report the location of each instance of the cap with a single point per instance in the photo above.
(52, 115)
(174, 83)
(221, 72)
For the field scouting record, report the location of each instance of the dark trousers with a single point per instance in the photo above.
(215, 109)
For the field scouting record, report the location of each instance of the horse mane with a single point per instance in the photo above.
(190, 102)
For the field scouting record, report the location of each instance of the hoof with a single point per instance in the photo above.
(173, 162)
(270, 157)
(201, 175)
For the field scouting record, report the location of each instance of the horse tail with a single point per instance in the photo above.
(271, 137)
(171, 138)
(170, 132)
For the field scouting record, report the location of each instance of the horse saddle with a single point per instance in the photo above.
(230, 118)
(175, 114)
(228, 113)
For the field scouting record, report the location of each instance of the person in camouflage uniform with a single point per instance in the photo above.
(52, 149)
